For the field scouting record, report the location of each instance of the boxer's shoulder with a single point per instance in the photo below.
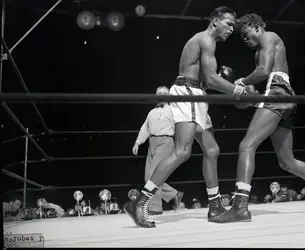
(269, 37)
(206, 42)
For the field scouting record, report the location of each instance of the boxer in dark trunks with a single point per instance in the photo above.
(270, 119)
(197, 70)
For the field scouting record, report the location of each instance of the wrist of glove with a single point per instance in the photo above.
(239, 87)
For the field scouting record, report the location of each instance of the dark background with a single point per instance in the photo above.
(54, 58)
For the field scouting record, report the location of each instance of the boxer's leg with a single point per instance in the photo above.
(263, 124)
(184, 137)
(210, 151)
(167, 192)
(282, 141)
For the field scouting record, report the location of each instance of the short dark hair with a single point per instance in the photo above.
(251, 20)
(220, 11)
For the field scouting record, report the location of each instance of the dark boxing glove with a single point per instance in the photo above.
(227, 73)
(249, 90)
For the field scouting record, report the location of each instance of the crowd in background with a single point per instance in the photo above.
(13, 210)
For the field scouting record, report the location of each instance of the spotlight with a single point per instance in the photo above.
(115, 21)
(78, 195)
(86, 20)
(140, 10)
(105, 196)
(196, 203)
(40, 203)
(133, 194)
(275, 188)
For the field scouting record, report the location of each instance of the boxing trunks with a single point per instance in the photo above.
(278, 84)
(196, 112)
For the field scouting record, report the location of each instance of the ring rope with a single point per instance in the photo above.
(144, 156)
(16, 120)
(143, 98)
(124, 157)
(53, 188)
(22, 137)
(18, 177)
(55, 132)
(22, 162)
(59, 132)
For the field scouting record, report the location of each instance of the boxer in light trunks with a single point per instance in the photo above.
(197, 71)
(270, 119)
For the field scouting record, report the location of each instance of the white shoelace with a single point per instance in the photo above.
(145, 206)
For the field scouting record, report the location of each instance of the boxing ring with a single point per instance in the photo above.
(273, 225)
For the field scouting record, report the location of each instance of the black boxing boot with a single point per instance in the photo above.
(138, 209)
(239, 211)
(216, 208)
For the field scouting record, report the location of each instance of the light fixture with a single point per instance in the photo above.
(140, 10)
(78, 196)
(275, 188)
(133, 194)
(115, 21)
(86, 20)
(105, 196)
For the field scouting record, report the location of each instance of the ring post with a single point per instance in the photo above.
(25, 168)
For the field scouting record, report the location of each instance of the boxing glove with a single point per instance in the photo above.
(226, 73)
(249, 90)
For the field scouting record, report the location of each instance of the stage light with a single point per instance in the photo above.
(133, 194)
(105, 195)
(115, 21)
(275, 188)
(40, 203)
(140, 10)
(196, 203)
(86, 20)
(78, 195)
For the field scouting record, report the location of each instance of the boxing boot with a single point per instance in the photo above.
(216, 208)
(138, 210)
(239, 211)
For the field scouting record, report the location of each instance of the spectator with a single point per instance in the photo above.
(254, 199)
(301, 196)
(11, 209)
(46, 206)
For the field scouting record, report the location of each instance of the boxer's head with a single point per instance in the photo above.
(162, 90)
(251, 27)
(222, 20)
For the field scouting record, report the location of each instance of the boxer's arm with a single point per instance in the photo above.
(209, 67)
(267, 45)
(143, 133)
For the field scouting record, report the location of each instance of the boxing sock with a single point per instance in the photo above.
(243, 189)
(213, 193)
(150, 188)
